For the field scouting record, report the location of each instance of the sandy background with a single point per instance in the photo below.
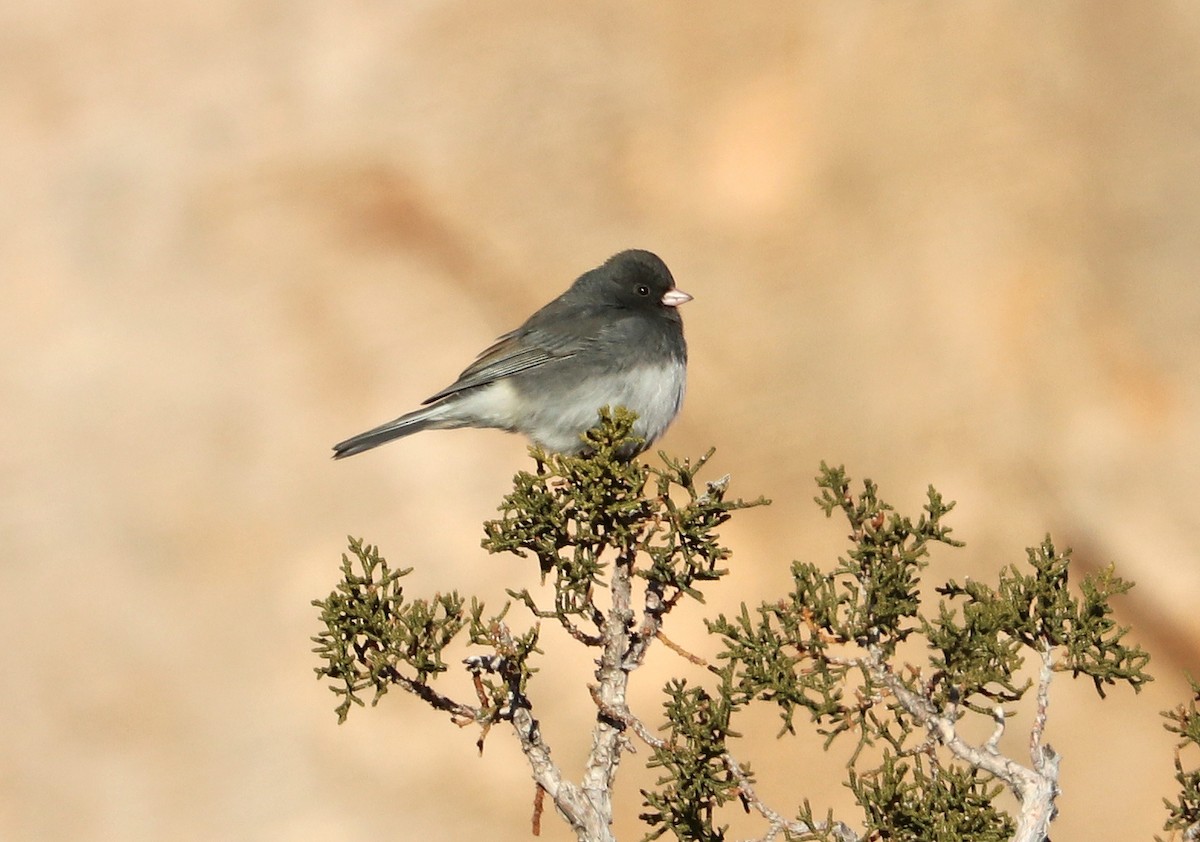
(937, 242)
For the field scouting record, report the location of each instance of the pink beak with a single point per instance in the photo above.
(675, 297)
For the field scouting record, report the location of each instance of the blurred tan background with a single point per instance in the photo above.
(938, 243)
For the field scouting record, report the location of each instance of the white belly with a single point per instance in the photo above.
(557, 425)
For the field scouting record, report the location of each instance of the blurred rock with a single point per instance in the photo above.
(938, 244)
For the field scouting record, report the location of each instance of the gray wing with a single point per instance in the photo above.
(537, 343)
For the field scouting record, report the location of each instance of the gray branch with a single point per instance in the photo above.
(1036, 788)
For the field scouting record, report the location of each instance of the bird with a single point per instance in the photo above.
(614, 338)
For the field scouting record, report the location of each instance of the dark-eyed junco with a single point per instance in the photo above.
(613, 339)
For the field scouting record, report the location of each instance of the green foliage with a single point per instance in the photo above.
(375, 638)
(697, 780)
(370, 629)
(798, 651)
(582, 503)
(879, 576)
(1184, 722)
(911, 800)
(578, 514)
(1031, 611)
(830, 648)
(620, 543)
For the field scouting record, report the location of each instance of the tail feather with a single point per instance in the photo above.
(405, 425)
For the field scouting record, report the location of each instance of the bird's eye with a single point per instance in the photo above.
(643, 290)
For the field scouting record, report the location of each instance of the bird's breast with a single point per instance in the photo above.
(562, 407)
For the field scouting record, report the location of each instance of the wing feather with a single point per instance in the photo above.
(530, 346)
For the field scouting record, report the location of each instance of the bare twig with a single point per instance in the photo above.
(1045, 674)
(992, 746)
(539, 803)
(612, 674)
(460, 714)
(680, 651)
(1035, 788)
(777, 823)
(571, 802)
(578, 633)
(625, 716)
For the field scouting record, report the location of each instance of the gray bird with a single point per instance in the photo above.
(614, 338)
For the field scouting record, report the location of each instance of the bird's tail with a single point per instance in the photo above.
(429, 418)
